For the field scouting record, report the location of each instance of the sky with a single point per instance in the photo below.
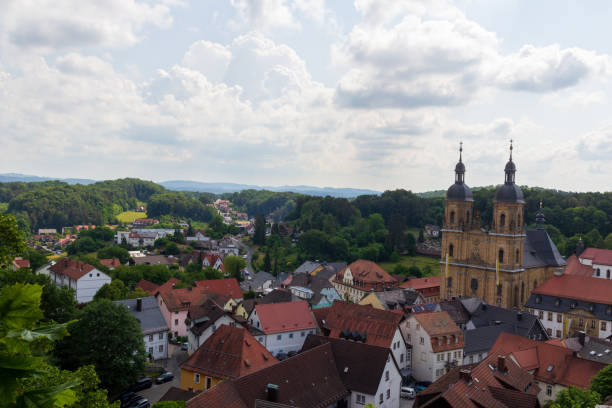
(367, 94)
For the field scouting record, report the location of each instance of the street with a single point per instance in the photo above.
(249, 253)
(406, 403)
(154, 393)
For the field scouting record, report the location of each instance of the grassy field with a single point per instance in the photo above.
(420, 261)
(130, 216)
(199, 225)
(53, 257)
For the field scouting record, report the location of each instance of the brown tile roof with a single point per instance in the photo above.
(147, 286)
(574, 267)
(203, 316)
(21, 263)
(552, 364)
(73, 269)
(440, 327)
(485, 384)
(228, 287)
(111, 262)
(307, 380)
(168, 285)
(357, 373)
(230, 352)
(369, 274)
(378, 325)
(422, 283)
(576, 287)
(598, 256)
(285, 316)
(182, 299)
(177, 394)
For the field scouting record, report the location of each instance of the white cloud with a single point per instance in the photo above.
(266, 15)
(47, 26)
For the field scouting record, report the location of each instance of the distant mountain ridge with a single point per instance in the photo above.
(205, 187)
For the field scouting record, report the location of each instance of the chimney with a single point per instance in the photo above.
(581, 337)
(501, 363)
(139, 305)
(273, 392)
(465, 375)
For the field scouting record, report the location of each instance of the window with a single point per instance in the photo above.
(150, 337)
(196, 378)
(581, 322)
(517, 256)
(450, 250)
(97, 274)
(518, 221)
(502, 220)
(279, 336)
(558, 333)
(91, 275)
(290, 335)
(208, 382)
(474, 284)
(603, 325)
(161, 348)
(608, 274)
(386, 375)
(450, 282)
(598, 272)
(422, 341)
(361, 399)
(550, 316)
(500, 255)
(549, 331)
(302, 334)
(549, 390)
(559, 318)
(380, 398)
(388, 394)
(471, 359)
(418, 326)
(593, 324)
(151, 350)
(176, 322)
(402, 358)
(452, 217)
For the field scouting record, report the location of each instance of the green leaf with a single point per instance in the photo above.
(19, 306)
(49, 397)
(50, 332)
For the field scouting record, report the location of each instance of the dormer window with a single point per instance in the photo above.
(573, 305)
(538, 299)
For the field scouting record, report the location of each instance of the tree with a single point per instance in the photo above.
(23, 345)
(400, 269)
(421, 238)
(36, 258)
(267, 266)
(259, 237)
(115, 290)
(109, 337)
(608, 241)
(114, 251)
(178, 237)
(11, 239)
(574, 397)
(169, 404)
(410, 244)
(601, 383)
(415, 271)
(172, 249)
(233, 265)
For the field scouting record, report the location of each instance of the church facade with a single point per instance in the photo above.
(501, 264)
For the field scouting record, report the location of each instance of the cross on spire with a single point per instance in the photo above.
(460, 150)
(511, 149)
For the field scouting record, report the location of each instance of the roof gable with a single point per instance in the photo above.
(228, 287)
(284, 316)
(73, 269)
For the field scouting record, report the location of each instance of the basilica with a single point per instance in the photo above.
(500, 264)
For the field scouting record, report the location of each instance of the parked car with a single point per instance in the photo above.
(140, 403)
(142, 384)
(184, 346)
(407, 392)
(418, 388)
(127, 398)
(165, 377)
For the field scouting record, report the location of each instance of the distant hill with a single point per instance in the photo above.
(203, 187)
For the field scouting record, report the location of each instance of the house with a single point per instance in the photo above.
(228, 287)
(567, 304)
(245, 307)
(429, 287)
(202, 321)
(258, 282)
(282, 327)
(397, 299)
(175, 303)
(589, 348)
(555, 368)
(367, 325)
(592, 262)
(488, 322)
(361, 277)
(314, 288)
(47, 231)
(374, 380)
(432, 231)
(457, 310)
(213, 260)
(198, 236)
(80, 276)
(144, 222)
(148, 286)
(231, 352)
(496, 382)
(111, 263)
(155, 331)
(19, 263)
(307, 380)
(437, 344)
(139, 237)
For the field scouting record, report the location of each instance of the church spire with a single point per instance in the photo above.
(460, 167)
(510, 168)
(540, 219)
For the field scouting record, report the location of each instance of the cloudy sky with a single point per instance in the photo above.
(371, 93)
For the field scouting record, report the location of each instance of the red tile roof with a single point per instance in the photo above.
(422, 283)
(73, 269)
(486, 384)
(21, 263)
(369, 274)
(379, 325)
(284, 317)
(552, 364)
(228, 287)
(111, 263)
(147, 286)
(577, 287)
(308, 380)
(169, 285)
(441, 329)
(186, 298)
(230, 352)
(598, 256)
(574, 267)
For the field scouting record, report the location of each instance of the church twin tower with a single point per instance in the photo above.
(491, 263)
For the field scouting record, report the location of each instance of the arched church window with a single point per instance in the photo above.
(450, 250)
(502, 220)
(518, 221)
(452, 217)
(467, 217)
(516, 298)
(517, 256)
(474, 284)
(522, 292)
(450, 282)
(500, 255)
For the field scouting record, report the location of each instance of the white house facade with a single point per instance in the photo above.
(83, 278)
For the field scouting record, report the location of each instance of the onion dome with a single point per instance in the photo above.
(459, 191)
(509, 192)
(540, 219)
